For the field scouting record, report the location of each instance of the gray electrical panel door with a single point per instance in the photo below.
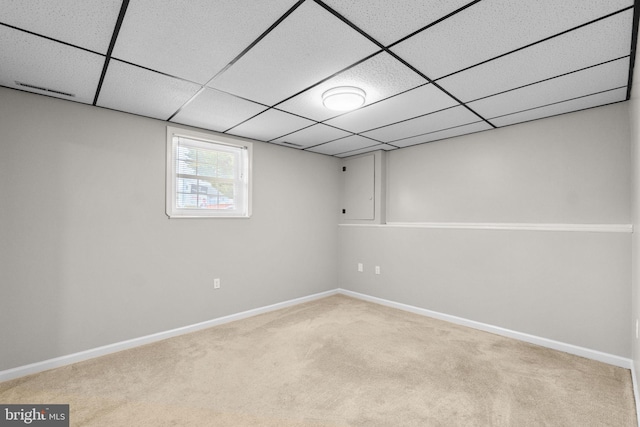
(359, 188)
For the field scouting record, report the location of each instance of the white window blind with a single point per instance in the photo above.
(207, 176)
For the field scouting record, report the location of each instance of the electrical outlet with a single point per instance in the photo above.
(377, 269)
(216, 283)
(360, 267)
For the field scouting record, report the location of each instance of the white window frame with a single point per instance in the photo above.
(203, 139)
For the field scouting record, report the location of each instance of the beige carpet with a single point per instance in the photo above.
(336, 362)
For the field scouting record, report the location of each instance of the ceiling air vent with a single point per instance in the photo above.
(44, 89)
(292, 144)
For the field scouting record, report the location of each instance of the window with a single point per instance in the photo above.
(207, 175)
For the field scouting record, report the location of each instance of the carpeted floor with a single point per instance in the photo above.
(336, 362)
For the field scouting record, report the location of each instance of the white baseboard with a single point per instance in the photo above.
(544, 342)
(135, 342)
(57, 362)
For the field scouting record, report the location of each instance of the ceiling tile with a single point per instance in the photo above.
(447, 133)
(88, 23)
(350, 143)
(595, 100)
(471, 36)
(215, 110)
(384, 147)
(258, 69)
(309, 45)
(590, 45)
(416, 102)
(596, 79)
(388, 21)
(47, 64)
(196, 40)
(313, 135)
(440, 120)
(380, 77)
(270, 125)
(139, 91)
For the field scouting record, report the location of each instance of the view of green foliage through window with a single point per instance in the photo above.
(208, 176)
(205, 178)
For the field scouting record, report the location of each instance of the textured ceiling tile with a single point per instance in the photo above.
(88, 23)
(196, 39)
(493, 27)
(309, 45)
(350, 143)
(563, 107)
(388, 21)
(590, 45)
(380, 77)
(384, 147)
(445, 119)
(416, 102)
(448, 133)
(192, 41)
(217, 111)
(139, 91)
(47, 64)
(313, 135)
(596, 79)
(270, 125)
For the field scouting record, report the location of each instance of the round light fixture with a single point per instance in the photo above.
(343, 98)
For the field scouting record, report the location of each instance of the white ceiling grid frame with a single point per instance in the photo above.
(270, 125)
(586, 46)
(413, 103)
(595, 79)
(380, 77)
(25, 57)
(383, 147)
(313, 135)
(444, 119)
(309, 45)
(388, 21)
(442, 134)
(350, 143)
(88, 23)
(140, 91)
(470, 37)
(218, 111)
(570, 106)
(193, 40)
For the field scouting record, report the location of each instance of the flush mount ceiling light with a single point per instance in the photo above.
(343, 98)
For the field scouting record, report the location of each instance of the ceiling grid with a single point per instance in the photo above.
(430, 70)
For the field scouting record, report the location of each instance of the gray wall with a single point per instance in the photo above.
(634, 114)
(573, 287)
(572, 168)
(88, 256)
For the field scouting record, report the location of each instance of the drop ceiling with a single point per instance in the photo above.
(431, 69)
